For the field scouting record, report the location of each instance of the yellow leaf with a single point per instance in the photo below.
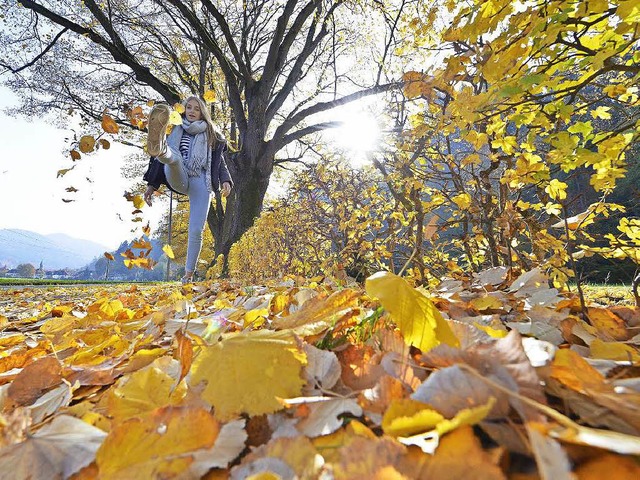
(418, 319)
(609, 466)
(109, 125)
(406, 417)
(601, 112)
(144, 391)
(247, 372)
(87, 143)
(209, 96)
(463, 201)
(178, 107)
(159, 444)
(614, 351)
(64, 171)
(556, 189)
(108, 256)
(256, 317)
(175, 118)
(168, 251)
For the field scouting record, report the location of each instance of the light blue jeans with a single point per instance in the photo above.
(199, 201)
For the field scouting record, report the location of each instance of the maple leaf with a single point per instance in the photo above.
(247, 372)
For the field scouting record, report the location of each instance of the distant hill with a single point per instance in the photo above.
(56, 251)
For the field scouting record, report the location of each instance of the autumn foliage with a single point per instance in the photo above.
(490, 377)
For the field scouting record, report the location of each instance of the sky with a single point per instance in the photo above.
(31, 197)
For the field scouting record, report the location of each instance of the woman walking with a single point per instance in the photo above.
(193, 165)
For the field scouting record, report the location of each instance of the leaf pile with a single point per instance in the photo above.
(489, 378)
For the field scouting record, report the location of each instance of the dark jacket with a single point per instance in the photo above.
(155, 176)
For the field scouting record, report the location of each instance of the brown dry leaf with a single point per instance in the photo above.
(360, 367)
(588, 393)
(34, 380)
(249, 371)
(50, 402)
(452, 390)
(458, 456)
(14, 426)
(184, 353)
(609, 325)
(553, 461)
(323, 414)
(322, 370)
(57, 450)
(365, 457)
(160, 444)
(228, 446)
(609, 466)
(318, 314)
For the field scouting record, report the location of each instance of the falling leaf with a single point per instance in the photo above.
(71, 189)
(87, 143)
(209, 96)
(160, 444)
(109, 125)
(64, 171)
(168, 251)
(141, 243)
(175, 118)
(57, 450)
(75, 155)
(66, 200)
(247, 372)
(104, 143)
(418, 319)
(108, 256)
(178, 107)
(146, 230)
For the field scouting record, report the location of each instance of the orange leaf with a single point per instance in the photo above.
(184, 353)
(109, 125)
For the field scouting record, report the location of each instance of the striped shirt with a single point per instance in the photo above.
(185, 145)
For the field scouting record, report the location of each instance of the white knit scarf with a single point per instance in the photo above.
(198, 158)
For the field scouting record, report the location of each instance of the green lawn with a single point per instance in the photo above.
(50, 281)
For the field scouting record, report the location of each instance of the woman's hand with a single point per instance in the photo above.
(226, 189)
(148, 195)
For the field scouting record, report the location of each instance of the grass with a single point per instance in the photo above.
(51, 281)
(608, 294)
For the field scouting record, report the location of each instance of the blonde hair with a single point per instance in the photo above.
(213, 134)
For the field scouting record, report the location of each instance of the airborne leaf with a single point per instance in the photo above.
(109, 125)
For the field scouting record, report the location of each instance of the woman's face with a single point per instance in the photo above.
(192, 111)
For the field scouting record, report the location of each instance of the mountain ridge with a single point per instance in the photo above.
(55, 251)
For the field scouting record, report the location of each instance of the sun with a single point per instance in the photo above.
(357, 135)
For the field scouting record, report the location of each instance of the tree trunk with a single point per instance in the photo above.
(244, 205)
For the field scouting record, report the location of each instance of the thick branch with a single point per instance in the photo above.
(295, 119)
(142, 73)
